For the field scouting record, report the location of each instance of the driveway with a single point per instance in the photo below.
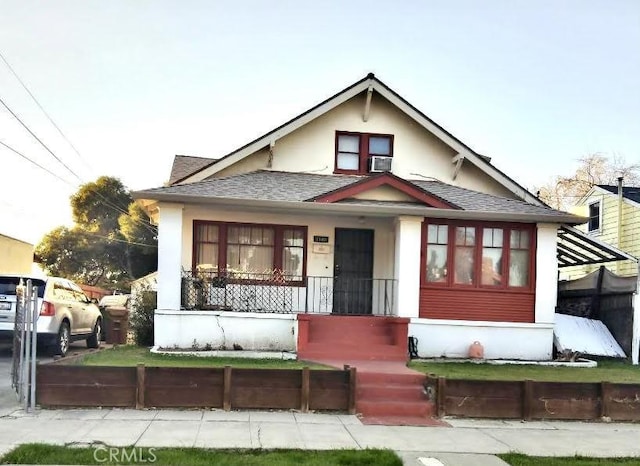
(8, 399)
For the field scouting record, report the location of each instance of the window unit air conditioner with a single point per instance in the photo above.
(380, 164)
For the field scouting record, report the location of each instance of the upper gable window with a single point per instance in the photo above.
(594, 217)
(361, 153)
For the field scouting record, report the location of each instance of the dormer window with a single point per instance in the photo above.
(362, 153)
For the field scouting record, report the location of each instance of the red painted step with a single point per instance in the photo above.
(394, 408)
(376, 392)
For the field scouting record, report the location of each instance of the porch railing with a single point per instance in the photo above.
(279, 293)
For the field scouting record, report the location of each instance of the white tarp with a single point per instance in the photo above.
(586, 336)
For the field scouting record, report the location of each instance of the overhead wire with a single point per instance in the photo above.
(39, 140)
(33, 97)
(36, 164)
(151, 228)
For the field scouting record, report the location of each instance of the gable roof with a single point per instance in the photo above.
(368, 83)
(185, 165)
(290, 190)
(628, 192)
(384, 179)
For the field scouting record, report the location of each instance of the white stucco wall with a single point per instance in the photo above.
(318, 264)
(170, 232)
(407, 265)
(546, 273)
(417, 154)
(501, 340)
(252, 331)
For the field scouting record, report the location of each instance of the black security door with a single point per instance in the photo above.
(352, 271)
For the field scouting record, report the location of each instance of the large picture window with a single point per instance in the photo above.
(250, 251)
(479, 255)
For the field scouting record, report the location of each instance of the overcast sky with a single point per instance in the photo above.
(532, 84)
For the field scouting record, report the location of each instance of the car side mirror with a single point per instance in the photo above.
(93, 301)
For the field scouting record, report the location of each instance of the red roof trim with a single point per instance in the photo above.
(384, 179)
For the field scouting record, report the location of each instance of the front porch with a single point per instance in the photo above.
(282, 294)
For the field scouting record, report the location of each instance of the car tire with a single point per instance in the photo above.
(63, 339)
(94, 339)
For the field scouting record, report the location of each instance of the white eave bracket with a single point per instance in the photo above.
(272, 146)
(458, 159)
(367, 104)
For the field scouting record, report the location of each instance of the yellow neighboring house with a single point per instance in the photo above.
(613, 219)
(16, 256)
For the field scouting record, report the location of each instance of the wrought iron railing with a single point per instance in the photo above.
(279, 293)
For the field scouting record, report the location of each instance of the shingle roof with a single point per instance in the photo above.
(467, 199)
(184, 165)
(630, 192)
(263, 184)
(300, 187)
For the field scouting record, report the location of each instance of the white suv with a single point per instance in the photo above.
(66, 314)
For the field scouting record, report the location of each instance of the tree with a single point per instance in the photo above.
(111, 242)
(564, 191)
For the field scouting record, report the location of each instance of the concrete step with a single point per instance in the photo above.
(350, 340)
(381, 378)
(390, 392)
(395, 408)
(386, 354)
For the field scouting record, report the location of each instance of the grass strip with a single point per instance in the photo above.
(609, 371)
(515, 459)
(133, 355)
(38, 453)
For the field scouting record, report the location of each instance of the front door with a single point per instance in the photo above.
(352, 271)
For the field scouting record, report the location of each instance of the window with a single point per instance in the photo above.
(480, 255)
(464, 255)
(355, 150)
(519, 257)
(249, 251)
(492, 251)
(437, 241)
(594, 216)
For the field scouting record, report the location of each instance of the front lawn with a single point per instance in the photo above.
(522, 460)
(37, 453)
(133, 355)
(610, 371)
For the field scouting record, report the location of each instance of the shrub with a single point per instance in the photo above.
(143, 306)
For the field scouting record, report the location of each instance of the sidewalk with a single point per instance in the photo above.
(458, 445)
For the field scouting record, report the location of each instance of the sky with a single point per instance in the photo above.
(533, 84)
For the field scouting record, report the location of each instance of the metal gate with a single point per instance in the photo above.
(23, 368)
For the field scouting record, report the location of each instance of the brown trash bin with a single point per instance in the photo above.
(117, 325)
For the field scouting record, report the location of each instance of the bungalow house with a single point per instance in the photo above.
(349, 228)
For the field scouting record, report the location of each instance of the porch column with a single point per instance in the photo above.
(407, 265)
(546, 273)
(169, 255)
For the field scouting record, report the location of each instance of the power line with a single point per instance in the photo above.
(33, 97)
(36, 164)
(117, 240)
(106, 201)
(38, 139)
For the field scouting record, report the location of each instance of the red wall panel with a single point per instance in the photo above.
(477, 304)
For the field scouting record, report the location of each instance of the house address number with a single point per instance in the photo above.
(321, 239)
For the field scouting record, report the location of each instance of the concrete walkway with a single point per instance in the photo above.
(467, 442)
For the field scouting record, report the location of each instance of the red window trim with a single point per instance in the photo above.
(277, 248)
(477, 285)
(363, 167)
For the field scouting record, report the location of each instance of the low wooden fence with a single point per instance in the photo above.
(530, 400)
(181, 387)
